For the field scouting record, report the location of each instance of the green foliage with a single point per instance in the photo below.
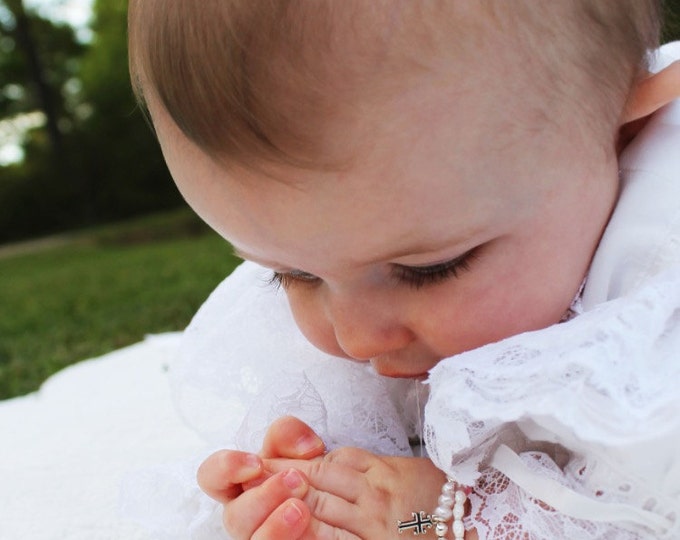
(108, 165)
(126, 163)
(671, 30)
(59, 52)
(103, 290)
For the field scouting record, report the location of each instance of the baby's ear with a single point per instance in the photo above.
(652, 93)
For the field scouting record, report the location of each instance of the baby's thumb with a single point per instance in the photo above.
(289, 437)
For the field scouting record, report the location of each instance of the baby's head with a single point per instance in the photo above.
(424, 177)
(282, 80)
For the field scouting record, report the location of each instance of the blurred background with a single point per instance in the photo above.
(97, 248)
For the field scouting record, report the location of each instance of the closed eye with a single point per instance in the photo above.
(413, 276)
(294, 277)
(421, 276)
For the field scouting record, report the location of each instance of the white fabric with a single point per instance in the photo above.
(642, 238)
(65, 448)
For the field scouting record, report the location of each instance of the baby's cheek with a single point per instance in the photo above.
(512, 309)
(473, 318)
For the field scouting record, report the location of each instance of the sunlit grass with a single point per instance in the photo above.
(105, 289)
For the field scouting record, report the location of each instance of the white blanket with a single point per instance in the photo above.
(65, 449)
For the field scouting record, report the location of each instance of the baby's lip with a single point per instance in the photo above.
(412, 366)
(397, 374)
(417, 377)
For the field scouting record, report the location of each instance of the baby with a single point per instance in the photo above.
(423, 179)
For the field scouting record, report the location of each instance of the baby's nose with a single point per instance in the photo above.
(366, 330)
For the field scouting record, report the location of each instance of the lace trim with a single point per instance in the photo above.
(597, 385)
(501, 510)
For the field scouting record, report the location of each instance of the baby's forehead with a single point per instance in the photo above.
(253, 78)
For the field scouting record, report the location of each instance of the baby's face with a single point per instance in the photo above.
(466, 218)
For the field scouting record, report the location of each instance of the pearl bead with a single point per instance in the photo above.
(451, 503)
(445, 500)
(441, 529)
(449, 488)
(443, 512)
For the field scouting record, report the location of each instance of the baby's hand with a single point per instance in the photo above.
(353, 494)
(295, 494)
(259, 503)
(271, 509)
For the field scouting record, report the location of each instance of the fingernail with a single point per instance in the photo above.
(253, 462)
(292, 514)
(308, 443)
(292, 479)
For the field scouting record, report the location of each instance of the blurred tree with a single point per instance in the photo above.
(125, 162)
(671, 31)
(111, 166)
(38, 65)
(37, 59)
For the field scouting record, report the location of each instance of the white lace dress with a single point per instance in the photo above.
(568, 432)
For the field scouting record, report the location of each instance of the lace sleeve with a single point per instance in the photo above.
(501, 510)
(597, 386)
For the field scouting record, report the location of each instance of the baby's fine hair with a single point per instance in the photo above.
(261, 80)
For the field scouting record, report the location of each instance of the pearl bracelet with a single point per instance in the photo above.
(451, 503)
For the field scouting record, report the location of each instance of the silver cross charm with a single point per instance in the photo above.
(420, 523)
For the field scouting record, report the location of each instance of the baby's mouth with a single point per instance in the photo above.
(403, 368)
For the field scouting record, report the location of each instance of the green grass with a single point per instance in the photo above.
(102, 290)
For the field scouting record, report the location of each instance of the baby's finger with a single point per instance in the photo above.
(332, 512)
(249, 512)
(291, 438)
(288, 522)
(356, 458)
(220, 476)
(338, 479)
(320, 529)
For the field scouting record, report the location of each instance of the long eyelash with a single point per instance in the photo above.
(414, 276)
(284, 280)
(417, 277)
(277, 280)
